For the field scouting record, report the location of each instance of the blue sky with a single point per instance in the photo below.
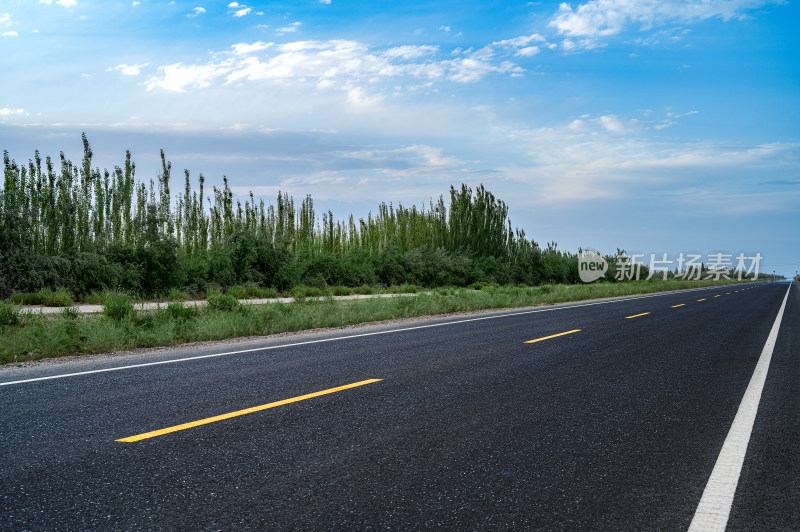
(654, 126)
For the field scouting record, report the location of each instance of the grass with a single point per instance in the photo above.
(223, 302)
(96, 298)
(60, 298)
(177, 295)
(118, 307)
(31, 336)
(9, 314)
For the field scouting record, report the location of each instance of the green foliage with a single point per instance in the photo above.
(59, 298)
(364, 289)
(223, 302)
(9, 314)
(340, 290)
(437, 267)
(304, 291)
(254, 292)
(95, 298)
(89, 231)
(49, 298)
(26, 298)
(403, 289)
(118, 307)
(237, 292)
(177, 295)
(179, 312)
(70, 313)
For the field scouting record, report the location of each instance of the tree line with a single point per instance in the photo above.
(73, 226)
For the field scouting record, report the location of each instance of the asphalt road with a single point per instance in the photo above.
(614, 426)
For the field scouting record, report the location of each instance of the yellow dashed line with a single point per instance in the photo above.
(208, 420)
(551, 336)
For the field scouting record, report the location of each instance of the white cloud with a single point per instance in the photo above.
(9, 34)
(130, 70)
(241, 10)
(338, 64)
(519, 46)
(196, 12)
(600, 18)
(360, 97)
(134, 4)
(326, 2)
(609, 157)
(528, 51)
(572, 46)
(472, 69)
(410, 52)
(666, 36)
(291, 28)
(522, 41)
(5, 19)
(614, 124)
(244, 48)
(7, 111)
(397, 160)
(63, 3)
(671, 119)
(178, 77)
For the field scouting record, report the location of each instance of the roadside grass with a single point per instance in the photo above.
(177, 295)
(31, 336)
(49, 298)
(9, 314)
(62, 297)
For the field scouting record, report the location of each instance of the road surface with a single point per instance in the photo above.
(605, 415)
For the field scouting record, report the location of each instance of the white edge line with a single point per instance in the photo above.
(714, 508)
(337, 338)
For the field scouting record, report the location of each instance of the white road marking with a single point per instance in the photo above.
(348, 337)
(715, 505)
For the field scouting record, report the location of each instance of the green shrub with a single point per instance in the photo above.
(267, 293)
(179, 312)
(60, 298)
(157, 259)
(26, 298)
(96, 298)
(118, 307)
(237, 292)
(256, 292)
(223, 302)
(70, 313)
(9, 314)
(403, 289)
(177, 295)
(364, 289)
(435, 267)
(212, 291)
(340, 290)
(303, 291)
